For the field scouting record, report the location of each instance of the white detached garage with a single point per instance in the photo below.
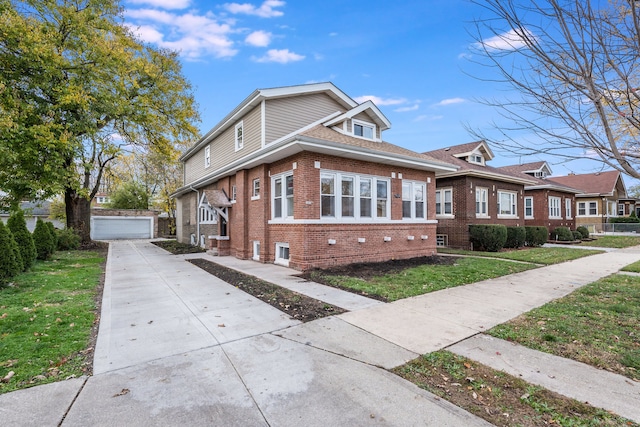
(114, 224)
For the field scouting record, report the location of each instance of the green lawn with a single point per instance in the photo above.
(544, 256)
(613, 241)
(634, 268)
(425, 279)
(46, 319)
(597, 325)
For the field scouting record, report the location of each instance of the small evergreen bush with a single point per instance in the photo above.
(562, 234)
(584, 231)
(10, 261)
(68, 239)
(536, 236)
(43, 240)
(516, 237)
(577, 235)
(490, 237)
(23, 237)
(54, 236)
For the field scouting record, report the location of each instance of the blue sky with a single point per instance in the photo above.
(413, 58)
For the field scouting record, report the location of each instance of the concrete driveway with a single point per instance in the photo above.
(178, 346)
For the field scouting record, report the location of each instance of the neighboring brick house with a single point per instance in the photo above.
(598, 200)
(475, 194)
(300, 176)
(546, 203)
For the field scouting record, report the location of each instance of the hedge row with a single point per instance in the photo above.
(493, 237)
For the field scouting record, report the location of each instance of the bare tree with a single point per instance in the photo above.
(575, 66)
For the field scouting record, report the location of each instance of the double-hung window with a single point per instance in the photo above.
(587, 208)
(413, 200)
(282, 196)
(528, 207)
(350, 196)
(554, 207)
(239, 136)
(444, 205)
(256, 189)
(507, 203)
(567, 208)
(481, 202)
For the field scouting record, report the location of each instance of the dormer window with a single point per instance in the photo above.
(364, 129)
(476, 158)
(540, 174)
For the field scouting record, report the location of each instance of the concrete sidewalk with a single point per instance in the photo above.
(179, 346)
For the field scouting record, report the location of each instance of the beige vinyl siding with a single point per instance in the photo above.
(223, 147)
(286, 115)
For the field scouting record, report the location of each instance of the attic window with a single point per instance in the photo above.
(476, 158)
(364, 129)
(540, 174)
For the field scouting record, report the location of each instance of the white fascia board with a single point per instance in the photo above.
(480, 144)
(486, 175)
(285, 91)
(359, 109)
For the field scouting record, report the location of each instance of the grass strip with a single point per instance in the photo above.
(613, 241)
(544, 256)
(46, 318)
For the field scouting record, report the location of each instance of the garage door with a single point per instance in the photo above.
(121, 227)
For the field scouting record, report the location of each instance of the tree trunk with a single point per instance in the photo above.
(78, 211)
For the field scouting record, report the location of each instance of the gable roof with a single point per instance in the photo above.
(465, 150)
(258, 95)
(599, 183)
(539, 183)
(368, 107)
(455, 153)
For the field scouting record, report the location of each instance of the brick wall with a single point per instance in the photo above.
(541, 209)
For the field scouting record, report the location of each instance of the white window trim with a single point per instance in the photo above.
(253, 189)
(557, 200)
(278, 260)
(256, 250)
(586, 209)
(525, 208)
(412, 199)
(486, 202)
(568, 208)
(337, 176)
(207, 156)
(471, 159)
(374, 129)
(234, 193)
(444, 215)
(238, 144)
(283, 196)
(514, 205)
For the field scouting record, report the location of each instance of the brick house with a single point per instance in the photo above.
(301, 176)
(546, 203)
(475, 193)
(599, 196)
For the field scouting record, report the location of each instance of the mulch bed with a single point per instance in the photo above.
(178, 248)
(298, 306)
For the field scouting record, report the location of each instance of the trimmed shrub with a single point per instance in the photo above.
(516, 237)
(43, 240)
(577, 235)
(562, 234)
(584, 231)
(10, 261)
(54, 236)
(68, 239)
(624, 220)
(489, 237)
(23, 237)
(536, 235)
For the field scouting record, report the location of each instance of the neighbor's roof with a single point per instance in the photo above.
(540, 183)
(450, 155)
(601, 183)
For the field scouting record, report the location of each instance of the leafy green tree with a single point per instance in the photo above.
(23, 237)
(131, 195)
(43, 240)
(10, 264)
(76, 88)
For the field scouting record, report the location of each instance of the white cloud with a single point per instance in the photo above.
(405, 109)
(282, 56)
(449, 101)
(193, 35)
(379, 101)
(164, 4)
(259, 39)
(265, 10)
(426, 117)
(333, 34)
(510, 40)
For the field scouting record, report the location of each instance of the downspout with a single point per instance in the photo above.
(197, 216)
